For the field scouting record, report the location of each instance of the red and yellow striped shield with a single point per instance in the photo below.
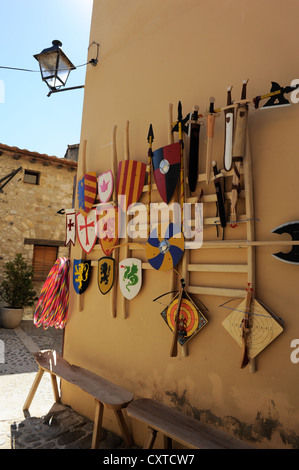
(130, 182)
(87, 191)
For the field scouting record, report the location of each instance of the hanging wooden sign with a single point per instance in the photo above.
(106, 270)
(130, 277)
(70, 234)
(105, 186)
(191, 318)
(263, 327)
(86, 230)
(164, 250)
(81, 275)
(87, 191)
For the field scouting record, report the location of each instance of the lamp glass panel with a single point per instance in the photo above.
(63, 70)
(48, 64)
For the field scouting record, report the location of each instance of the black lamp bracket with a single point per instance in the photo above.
(94, 61)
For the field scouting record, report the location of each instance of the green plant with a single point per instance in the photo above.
(17, 287)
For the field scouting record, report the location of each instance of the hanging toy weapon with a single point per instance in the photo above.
(229, 128)
(276, 96)
(181, 127)
(219, 193)
(239, 146)
(194, 130)
(150, 139)
(210, 137)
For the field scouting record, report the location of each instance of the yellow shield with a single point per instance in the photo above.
(105, 274)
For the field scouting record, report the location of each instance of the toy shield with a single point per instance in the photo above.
(130, 182)
(107, 230)
(105, 186)
(87, 190)
(164, 251)
(81, 275)
(70, 228)
(130, 277)
(105, 274)
(86, 230)
(166, 169)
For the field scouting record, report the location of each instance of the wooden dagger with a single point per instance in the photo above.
(239, 147)
(194, 130)
(210, 138)
(229, 128)
(219, 193)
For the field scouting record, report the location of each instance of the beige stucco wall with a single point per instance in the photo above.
(154, 53)
(30, 211)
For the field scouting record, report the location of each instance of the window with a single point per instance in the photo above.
(31, 177)
(44, 258)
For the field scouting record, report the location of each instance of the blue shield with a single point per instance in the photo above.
(81, 275)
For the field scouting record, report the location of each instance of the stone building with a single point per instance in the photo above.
(29, 208)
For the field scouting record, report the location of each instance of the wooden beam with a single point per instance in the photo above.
(218, 268)
(217, 291)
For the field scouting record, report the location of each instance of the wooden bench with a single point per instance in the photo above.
(106, 394)
(177, 426)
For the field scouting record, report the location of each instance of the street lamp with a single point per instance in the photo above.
(55, 67)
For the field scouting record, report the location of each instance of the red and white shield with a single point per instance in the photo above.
(105, 186)
(86, 230)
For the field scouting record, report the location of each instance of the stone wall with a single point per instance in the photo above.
(28, 212)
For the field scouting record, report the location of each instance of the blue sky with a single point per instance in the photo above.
(28, 118)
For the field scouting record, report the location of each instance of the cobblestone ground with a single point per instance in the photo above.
(49, 425)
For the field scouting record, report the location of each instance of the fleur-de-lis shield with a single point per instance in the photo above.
(81, 275)
(130, 277)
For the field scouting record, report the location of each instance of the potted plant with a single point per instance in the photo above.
(16, 290)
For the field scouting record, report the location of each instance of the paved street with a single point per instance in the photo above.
(49, 425)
